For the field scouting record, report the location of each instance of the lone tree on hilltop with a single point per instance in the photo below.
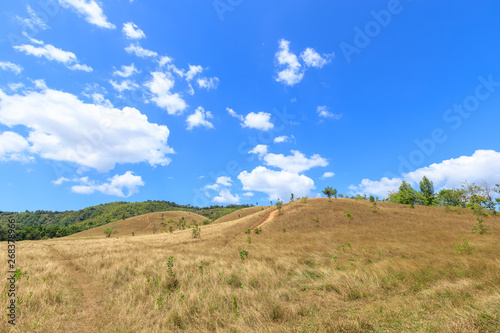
(328, 191)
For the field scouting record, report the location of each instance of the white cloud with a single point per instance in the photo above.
(324, 113)
(259, 120)
(60, 180)
(226, 197)
(90, 10)
(63, 128)
(328, 175)
(276, 184)
(127, 71)
(232, 113)
(289, 69)
(33, 22)
(208, 83)
(292, 73)
(280, 139)
(221, 185)
(224, 180)
(15, 86)
(314, 59)
(115, 185)
(6, 65)
(165, 60)
(40, 84)
(248, 194)
(124, 85)
(139, 51)
(50, 52)
(296, 163)
(199, 118)
(33, 40)
(193, 70)
(160, 85)
(132, 31)
(13, 147)
(260, 150)
(100, 100)
(483, 165)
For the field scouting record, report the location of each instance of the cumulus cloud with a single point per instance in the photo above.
(292, 72)
(208, 83)
(224, 194)
(127, 71)
(192, 72)
(260, 150)
(63, 128)
(124, 85)
(297, 162)
(328, 175)
(324, 113)
(160, 86)
(33, 22)
(289, 70)
(90, 11)
(313, 59)
(276, 184)
(6, 65)
(116, 185)
(260, 120)
(199, 118)
(483, 165)
(226, 197)
(139, 51)
(283, 138)
(52, 53)
(15, 86)
(13, 147)
(132, 31)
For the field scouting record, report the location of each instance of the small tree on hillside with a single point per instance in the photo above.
(406, 195)
(291, 196)
(107, 232)
(427, 191)
(334, 193)
(328, 191)
(279, 205)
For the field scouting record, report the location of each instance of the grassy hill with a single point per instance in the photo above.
(48, 224)
(145, 224)
(320, 266)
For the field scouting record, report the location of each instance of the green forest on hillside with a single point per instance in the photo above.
(42, 224)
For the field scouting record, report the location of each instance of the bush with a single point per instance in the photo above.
(257, 230)
(196, 231)
(108, 231)
(243, 254)
(247, 231)
(463, 247)
(348, 214)
(480, 228)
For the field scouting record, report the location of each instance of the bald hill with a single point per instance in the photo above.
(319, 265)
(49, 224)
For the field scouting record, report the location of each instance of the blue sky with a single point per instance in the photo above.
(220, 102)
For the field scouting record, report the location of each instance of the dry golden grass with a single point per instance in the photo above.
(240, 214)
(394, 270)
(139, 225)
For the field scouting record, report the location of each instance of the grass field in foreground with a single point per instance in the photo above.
(311, 269)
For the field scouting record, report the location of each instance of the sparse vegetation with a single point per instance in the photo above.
(480, 228)
(382, 272)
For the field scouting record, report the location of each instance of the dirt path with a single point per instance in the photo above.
(148, 224)
(90, 314)
(269, 218)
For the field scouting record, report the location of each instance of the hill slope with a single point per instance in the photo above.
(311, 269)
(144, 224)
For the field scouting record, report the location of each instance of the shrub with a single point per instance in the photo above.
(196, 231)
(108, 231)
(247, 231)
(463, 247)
(257, 230)
(480, 228)
(243, 254)
(249, 240)
(348, 214)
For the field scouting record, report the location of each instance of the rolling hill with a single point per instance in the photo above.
(320, 266)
